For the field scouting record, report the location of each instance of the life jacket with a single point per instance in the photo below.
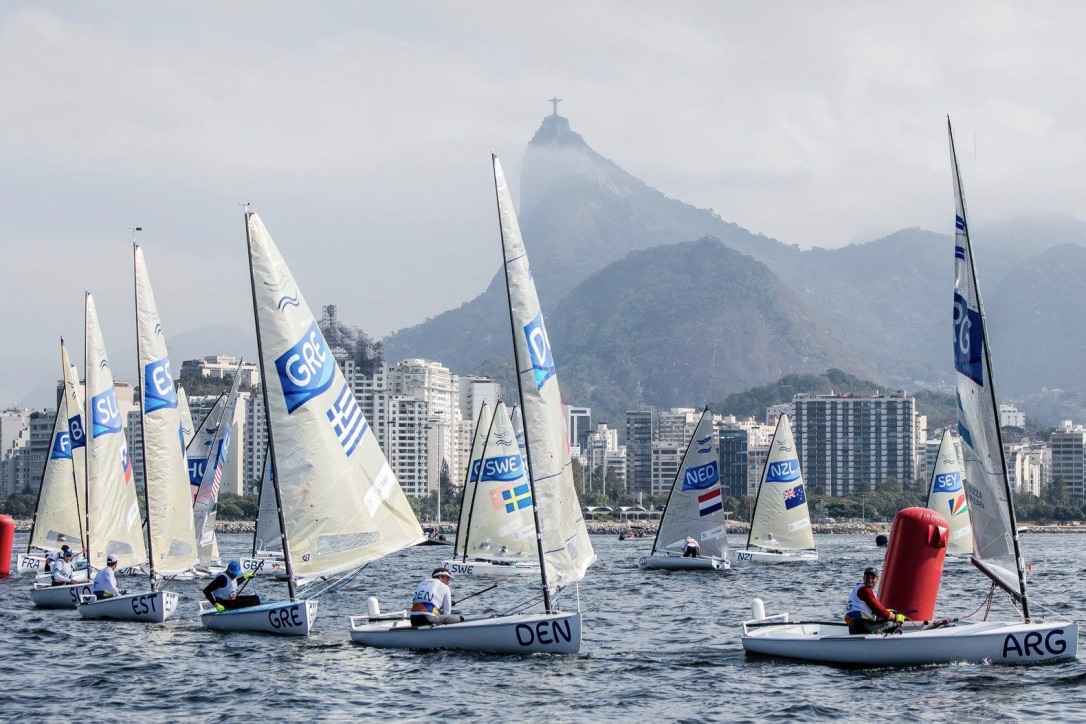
(428, 597)
(228, 590)
(855, 607)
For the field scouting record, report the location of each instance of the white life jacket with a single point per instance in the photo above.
(856, 604)
(230, 590)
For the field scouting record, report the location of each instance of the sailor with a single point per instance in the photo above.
(863, 612)
(223, 589)
(771, 543)
(432, 604)
(61, 573)
(504, 551)
(692, 549)
(105, 581)
(54, 556)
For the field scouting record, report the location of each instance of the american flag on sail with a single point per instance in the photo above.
(710, 502)
(347, 420)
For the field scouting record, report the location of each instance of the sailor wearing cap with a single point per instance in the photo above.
(61, 571)
(223, 589)
(432, 604)
(864, 613)
(105, 581)
(54, 556)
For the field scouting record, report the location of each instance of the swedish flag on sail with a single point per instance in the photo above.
(517, 498)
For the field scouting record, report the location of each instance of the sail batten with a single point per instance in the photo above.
(781, 507)
(563, 538)
(341, 504)
(991, 508)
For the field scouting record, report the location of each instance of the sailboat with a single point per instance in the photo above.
(694, 509)
(60, 477)
(338, 502)
(171, 541)
(188, 429)
(946, 496)
(562, 543)
(210, 456)
(997, 553)
(780, 531)
(267, 557)
(496, 533)
(57, 512)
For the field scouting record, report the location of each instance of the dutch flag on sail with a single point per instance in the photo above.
(710, 502)
(347, 420)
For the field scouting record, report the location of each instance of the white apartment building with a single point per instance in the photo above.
(1009, 416)
(221, 367)
(677, 425)
(473, 392)
(666, 459)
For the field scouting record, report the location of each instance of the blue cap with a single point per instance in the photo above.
(234, 569)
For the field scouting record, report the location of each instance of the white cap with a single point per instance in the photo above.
(111, 559)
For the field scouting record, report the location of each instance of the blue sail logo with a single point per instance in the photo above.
(968, 341)
(947, 483)
(105, 416)
(504, 468)
(784, 471)
(158, 390)
(702, 476)
(75, 431)
(306, 369)
(539, 349)
(62, 446)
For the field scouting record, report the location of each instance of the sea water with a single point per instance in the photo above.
(656, 646)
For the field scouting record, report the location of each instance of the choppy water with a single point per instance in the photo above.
(656, 646)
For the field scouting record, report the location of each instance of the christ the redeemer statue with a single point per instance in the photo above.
(554, 102)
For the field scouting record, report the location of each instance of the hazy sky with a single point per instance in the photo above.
(360, 131)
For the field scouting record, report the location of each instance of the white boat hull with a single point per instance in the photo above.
(490, 569)
(60, 596)
(768, 557)
(963, 641)
(542, 633)
(143, 607)
(286, 618)
(678, 563)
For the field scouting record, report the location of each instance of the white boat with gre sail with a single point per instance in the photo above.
(780, 531)
(562, 544)
(997, 551)
(338, 502)
(695, 510)
(496, 532)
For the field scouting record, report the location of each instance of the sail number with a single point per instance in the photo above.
(143, 605)
(1030, 645)
(543, 632)
(461, 568)
(286, 617)
(741, 556)
(77, 593)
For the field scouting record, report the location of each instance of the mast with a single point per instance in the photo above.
(291, 586)
(88, 432)
(520, 396)
(761, 482)
(65, 360)
(478, 480)
(991, 388)
(143, 431)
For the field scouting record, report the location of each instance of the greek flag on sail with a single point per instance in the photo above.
(347, 420)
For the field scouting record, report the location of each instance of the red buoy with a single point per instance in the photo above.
(913, 567)
(7, 540)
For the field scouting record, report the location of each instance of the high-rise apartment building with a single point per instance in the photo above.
(641, 426)
(1068, 448)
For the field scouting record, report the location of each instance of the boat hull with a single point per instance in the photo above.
(678, 563)
(286, 618)
(964, 641)
(60, 596)
(769, 558)
(489, 569)
(143, 607)
(554, 633)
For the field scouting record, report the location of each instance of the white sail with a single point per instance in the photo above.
(567, 549)
(781, 506)
(471, 477)
(74, 395)
(113, 515)
(165, 473)
(268, 536)
(946, 496)
(695, 507)
(342, 505)
(188, 429)
(500, 522)
(206, 505)
(199, 450)
(991, 512)
(57, 516)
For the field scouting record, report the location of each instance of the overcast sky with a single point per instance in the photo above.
(360, 131)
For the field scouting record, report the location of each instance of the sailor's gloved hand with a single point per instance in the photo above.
(247, 576)
(219, 608)
(899, 618)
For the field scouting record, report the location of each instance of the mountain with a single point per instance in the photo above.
(686, 323)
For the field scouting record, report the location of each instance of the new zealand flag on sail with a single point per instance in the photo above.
(795, 497)
(968, 341)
